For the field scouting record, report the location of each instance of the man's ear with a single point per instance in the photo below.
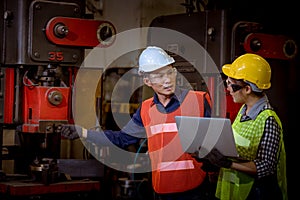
(147, 82)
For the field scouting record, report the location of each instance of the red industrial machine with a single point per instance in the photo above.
(42, 47)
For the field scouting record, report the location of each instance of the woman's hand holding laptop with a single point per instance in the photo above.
(215, 157)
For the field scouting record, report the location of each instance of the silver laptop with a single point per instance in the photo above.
(203, 134)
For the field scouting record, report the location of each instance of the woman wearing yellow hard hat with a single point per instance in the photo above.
(261, 174)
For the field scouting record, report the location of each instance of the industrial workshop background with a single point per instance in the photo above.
(44, 43)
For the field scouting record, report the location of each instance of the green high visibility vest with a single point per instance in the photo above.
(236, 185)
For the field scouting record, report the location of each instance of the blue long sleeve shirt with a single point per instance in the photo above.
(134, 130)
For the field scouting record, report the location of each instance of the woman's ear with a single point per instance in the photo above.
(248, 89)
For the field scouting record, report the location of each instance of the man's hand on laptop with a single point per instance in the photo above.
(207, 166)
(216, 158)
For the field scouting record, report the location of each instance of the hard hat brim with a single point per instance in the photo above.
(226, 69)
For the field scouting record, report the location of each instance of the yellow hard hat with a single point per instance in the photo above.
(252, 68)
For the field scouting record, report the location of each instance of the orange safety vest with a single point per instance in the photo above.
(172, 169)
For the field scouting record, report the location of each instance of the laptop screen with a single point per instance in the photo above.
(203, 134)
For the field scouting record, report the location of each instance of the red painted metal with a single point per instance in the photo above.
(211, 86)
(9, 95)
(37, 106)
(270, 46)
(80, 32)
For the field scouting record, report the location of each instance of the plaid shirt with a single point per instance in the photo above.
(266, 159)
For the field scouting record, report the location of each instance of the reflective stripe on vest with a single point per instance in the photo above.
(176, 165)
(159, 128)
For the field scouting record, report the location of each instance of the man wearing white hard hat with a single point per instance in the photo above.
(176, 175)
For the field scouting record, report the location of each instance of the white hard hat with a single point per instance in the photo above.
(153, 58)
